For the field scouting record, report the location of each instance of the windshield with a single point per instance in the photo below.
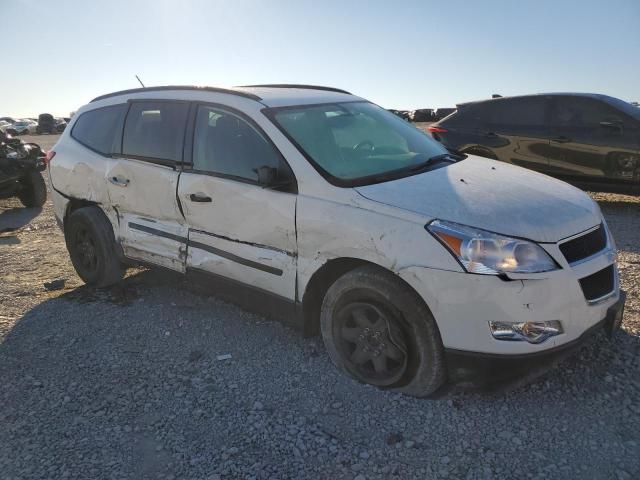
(626, 107)
(356, 143)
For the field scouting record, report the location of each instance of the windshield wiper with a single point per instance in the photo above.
(425, 166)
(433, 161)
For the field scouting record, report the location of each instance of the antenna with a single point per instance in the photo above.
(138, 78)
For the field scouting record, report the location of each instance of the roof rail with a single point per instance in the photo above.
(293, 85)
(239, 93)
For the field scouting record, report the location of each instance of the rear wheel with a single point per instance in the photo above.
(34, 190)
(380, 332)
(92, 247)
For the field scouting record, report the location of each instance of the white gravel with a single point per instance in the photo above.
(126, 384)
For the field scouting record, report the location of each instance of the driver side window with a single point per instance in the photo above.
(227, 145)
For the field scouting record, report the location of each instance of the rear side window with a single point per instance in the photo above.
(100, 129)
(515, 112)
(155, 130)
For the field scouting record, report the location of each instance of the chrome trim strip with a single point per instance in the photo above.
(606, 251)
(579, 234)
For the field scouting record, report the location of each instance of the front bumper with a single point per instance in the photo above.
(482, 368)
(463, 305)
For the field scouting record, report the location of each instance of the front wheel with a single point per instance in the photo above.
(92, 247)
(34, 191)
(379, 331)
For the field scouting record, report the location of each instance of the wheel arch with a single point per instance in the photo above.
(322, 279)
(75, 203)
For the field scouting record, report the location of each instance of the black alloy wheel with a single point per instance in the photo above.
(86, 250)
(372, 343)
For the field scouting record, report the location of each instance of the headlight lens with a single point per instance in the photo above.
(488, 253)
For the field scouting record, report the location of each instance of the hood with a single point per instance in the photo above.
(493, 196)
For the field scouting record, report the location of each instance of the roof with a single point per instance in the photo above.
(498, 99)
(271, 95)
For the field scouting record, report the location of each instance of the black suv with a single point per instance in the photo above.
(592, 141)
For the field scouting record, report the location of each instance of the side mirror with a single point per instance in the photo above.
(267, 175)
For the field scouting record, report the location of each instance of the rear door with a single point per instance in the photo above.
(591, 141)
(142, 183)
(239, 228)
(517, 131)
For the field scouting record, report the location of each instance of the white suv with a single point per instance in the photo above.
(405, 256)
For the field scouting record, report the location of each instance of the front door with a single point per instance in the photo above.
(591, 141)
(239, 227)
(143, 182)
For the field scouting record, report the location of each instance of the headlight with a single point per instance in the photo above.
(489, 253)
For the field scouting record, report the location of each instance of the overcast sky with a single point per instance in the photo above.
(58, 54)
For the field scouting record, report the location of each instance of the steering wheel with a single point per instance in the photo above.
(364, 143)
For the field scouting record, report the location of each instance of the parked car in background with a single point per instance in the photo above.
(25, 127)
(440, 113)
(8, 120)
(46, 123)
(590, 140)
(4, 125)
(403, 114)
(422, 115)
(61, 124)
(401, 254)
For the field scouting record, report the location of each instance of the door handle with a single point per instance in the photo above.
(561, 139)
(200, 197)
(490, 135)
(118, 181)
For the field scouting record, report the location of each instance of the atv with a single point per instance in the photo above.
(20, 167)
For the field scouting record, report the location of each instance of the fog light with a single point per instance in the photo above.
(532, 332)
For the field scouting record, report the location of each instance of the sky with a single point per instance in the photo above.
(409, 54)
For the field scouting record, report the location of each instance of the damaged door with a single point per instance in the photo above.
(238, 228)
(142, 185)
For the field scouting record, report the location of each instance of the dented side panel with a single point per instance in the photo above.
(246, 232)
(329, 230)
(150, 226)
(78, 172)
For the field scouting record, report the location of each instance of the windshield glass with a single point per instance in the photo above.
(626, 107)
(356, 142)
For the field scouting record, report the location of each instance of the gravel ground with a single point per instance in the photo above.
(135, 382)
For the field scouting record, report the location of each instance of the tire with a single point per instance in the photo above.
(92, 247)
(34, 191)
(380, 332)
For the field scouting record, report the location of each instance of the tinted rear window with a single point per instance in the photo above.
(155, 130)
(521, 111)
(100, 129)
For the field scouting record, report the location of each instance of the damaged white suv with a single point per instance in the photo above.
(405, 256)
